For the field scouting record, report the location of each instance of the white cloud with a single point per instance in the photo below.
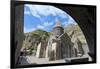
(45, 10)
(28, 29)
(40, 27)
(44, 26)
(71, 20)
(47, 23)
(63, 15)
(26, 12)
(64, 23)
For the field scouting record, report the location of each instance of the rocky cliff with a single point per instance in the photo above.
(74, 32)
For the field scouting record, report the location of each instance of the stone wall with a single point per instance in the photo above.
(19, 34)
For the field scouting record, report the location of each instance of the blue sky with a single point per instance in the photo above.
(44, 17)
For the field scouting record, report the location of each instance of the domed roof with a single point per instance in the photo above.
(58, 24)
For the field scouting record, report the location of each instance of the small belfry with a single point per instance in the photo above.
(58, 29)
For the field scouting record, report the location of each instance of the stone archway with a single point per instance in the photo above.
(84, 16)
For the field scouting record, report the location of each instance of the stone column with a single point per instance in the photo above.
(19, 34)
(38, 50)
(55, 52)
(79, 47)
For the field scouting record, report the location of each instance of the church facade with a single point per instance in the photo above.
(59, 45)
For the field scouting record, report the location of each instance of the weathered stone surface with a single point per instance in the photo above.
(79, 48)
(38, 50)
(18, 31)
(41, 50)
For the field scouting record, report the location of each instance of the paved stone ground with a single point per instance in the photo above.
(34, 60)
(25, 60)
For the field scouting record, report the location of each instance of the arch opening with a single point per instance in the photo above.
(39, 35)
(59, 42)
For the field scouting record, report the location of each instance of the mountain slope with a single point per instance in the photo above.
(74, 32)
(32, 39)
